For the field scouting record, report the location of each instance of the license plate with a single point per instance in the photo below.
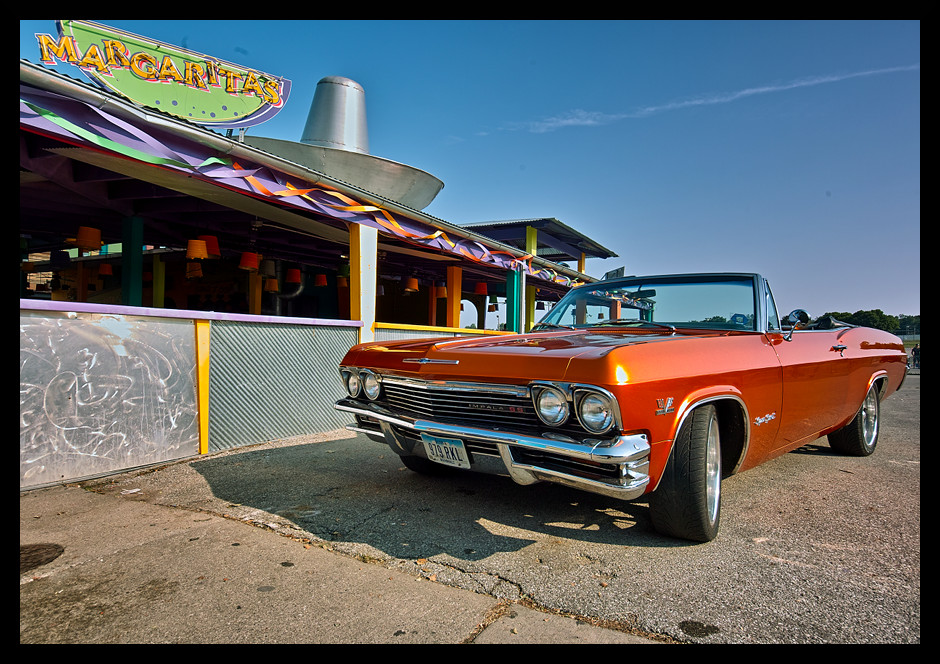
(447, 451)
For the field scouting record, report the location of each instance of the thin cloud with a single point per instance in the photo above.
(582, 118)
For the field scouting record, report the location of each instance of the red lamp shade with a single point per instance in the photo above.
(249, 261)
(292, 276)
(319, 280)
(480, 288)
(212, 245)
(105, 270)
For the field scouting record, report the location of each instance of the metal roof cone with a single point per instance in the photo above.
(337, 117)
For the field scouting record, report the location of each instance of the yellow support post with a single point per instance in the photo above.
(363, 277)
(202, 383)
(454, 294)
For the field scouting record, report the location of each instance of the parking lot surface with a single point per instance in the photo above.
(328, 539)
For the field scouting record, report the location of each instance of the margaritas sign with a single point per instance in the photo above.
(196, 87)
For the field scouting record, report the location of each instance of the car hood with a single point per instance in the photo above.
(509, 358)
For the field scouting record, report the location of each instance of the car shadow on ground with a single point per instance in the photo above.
(353, 491)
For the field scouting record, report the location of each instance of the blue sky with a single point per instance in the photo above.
(789, 148)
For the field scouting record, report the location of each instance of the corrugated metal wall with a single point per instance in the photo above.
(269, 381)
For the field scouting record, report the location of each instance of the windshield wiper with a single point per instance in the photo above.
(552, 326)
(633, 321)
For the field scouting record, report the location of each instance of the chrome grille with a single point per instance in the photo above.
(484, 405)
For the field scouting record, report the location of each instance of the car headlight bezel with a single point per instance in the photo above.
(370, 384)
(351, 382)
(551, 405)
(596, 410)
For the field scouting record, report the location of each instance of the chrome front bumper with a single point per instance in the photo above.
(628, 453)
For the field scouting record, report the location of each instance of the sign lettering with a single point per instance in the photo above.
(199, 88)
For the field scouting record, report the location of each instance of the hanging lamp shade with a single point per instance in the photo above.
(540, 306)
(380, 290)
(480, 288)
(268, 267)
(249, 261)
(270, 284)
(196, 250)
(212, 245)
(440, 291)
(292, 276)
(105, 270)
(411, 285)
(319, 280)
(193, 270)
(342, 282)
(88, 239)
(491, 307)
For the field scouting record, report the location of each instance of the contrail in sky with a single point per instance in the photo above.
(582, 118)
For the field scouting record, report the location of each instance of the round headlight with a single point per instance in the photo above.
(370, 385)
(551, 406)
(352, 383)
(595, 412)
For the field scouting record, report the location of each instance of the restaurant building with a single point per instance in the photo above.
(188, 287)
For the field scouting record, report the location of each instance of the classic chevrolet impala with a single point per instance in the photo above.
(657, 385)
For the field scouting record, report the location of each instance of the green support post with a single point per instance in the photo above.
(132, 261)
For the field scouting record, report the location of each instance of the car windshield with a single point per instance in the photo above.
(724, 302)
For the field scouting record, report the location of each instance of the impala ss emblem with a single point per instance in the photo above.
(665, 406)
(765, 418)
(495, 408)
(428, 360)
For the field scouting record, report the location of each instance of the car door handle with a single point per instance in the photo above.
(841, 348)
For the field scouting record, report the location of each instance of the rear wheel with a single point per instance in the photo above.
(860, 436)
(687, 502)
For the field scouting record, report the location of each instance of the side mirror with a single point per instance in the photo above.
(796, 319)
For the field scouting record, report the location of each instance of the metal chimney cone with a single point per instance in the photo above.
(337, 117)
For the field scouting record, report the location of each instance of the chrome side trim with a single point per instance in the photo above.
(455, 386)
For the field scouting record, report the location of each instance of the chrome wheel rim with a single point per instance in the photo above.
(712, 471)
(870, 418)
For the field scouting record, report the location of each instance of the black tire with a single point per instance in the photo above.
(687, 502)
(426, 467)
(860, 436)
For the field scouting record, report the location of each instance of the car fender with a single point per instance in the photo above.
(661, 450)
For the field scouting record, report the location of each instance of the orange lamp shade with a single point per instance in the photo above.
(105, 270)
(342, 282)
(491, 307)
(88, 238)
(440, 291)
(212, 245)
(292, 276)
(249, 261)
(480, 288)
(270, 285)
(196, 250)
(411, 285)
(193, 270)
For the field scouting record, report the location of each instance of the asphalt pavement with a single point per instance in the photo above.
(108, 566)
(329, 539)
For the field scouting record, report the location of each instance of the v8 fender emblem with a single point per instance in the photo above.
(665, 406)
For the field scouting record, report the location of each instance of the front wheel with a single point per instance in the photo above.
(860, 436)
(687, 502)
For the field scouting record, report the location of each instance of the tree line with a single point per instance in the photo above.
(901, 324)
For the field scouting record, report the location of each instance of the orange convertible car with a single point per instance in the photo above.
(656, 385)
